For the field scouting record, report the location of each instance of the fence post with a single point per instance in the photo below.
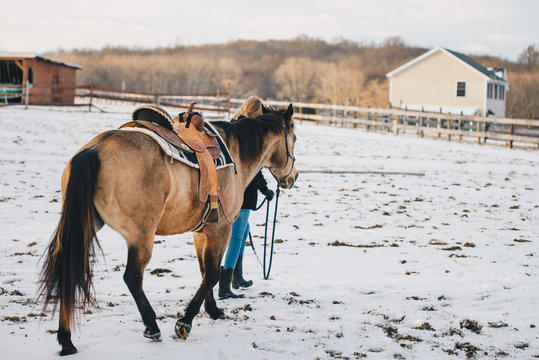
(27, 94)
(479, 132)
(404, 123)
(229, 89)
(91, 98)
(218, 100)
(460, 125)
(397, 125)
(511, 131)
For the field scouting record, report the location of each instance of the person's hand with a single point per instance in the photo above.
(270, 195)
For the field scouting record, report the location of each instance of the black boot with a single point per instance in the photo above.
(224, 285)
(237, 279)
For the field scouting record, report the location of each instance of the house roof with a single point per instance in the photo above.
(12, 56)
(475, 65)
(466, 60)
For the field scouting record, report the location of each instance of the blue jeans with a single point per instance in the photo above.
(240, 231)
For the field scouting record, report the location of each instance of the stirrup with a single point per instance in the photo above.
(212, 216)
(209, 216)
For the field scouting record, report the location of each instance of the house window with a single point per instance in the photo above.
(489, 91)
(502, 92)
(495, 91)
(30, 76)
(461, 89)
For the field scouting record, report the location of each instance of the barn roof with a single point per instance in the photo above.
(466, 60)
(14, 56)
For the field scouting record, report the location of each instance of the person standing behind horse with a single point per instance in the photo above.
(232, 270)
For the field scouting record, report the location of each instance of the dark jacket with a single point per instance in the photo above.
(250, 196)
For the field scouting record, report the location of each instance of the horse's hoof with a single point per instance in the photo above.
(68, 350)
(153, 335)
(182, 329)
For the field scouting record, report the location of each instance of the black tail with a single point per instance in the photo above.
(67, 271)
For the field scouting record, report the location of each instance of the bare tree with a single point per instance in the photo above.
(529, 57)
(340, 84)
(523, 99)
(298, 79)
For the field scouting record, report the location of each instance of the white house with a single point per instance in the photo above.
(443, 80)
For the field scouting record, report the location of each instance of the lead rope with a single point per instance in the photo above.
(266, 273)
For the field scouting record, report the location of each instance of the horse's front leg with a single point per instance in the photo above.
(209, 302)
(211, 307)
(210, 250)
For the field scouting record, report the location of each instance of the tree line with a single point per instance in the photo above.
(301, 69)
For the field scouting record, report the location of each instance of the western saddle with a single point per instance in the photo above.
(186, 131)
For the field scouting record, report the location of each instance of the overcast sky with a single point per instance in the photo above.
(495, 27)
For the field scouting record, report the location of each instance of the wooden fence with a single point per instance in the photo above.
(216, 102)
(508, 130)
(522, 131)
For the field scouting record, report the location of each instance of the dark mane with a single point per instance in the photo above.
(251, 132)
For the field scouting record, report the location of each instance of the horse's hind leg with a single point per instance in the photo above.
(138, 257)
(64, 338)
(64, 328)
(210, 305)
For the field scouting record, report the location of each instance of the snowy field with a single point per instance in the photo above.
(440, 266)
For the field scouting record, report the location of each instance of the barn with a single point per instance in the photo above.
(38, 79)
(443, 80)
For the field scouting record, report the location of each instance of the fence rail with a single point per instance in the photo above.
(524, 131)
(218, 101)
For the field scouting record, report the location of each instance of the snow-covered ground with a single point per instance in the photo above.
(372, 266)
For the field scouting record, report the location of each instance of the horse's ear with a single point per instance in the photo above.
(289, 112)
(265, 109)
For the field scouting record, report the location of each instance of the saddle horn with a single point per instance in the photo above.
(195, 118)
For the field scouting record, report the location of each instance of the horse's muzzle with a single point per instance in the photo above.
(289, 181)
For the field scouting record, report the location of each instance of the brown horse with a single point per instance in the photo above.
(123, 179)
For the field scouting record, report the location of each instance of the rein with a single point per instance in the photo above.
(266, 270)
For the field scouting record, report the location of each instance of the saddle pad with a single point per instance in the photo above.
(188, 158)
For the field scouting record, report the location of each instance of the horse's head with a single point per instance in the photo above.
(255, 125)
(282, 160)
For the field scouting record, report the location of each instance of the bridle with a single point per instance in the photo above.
(288, 156)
